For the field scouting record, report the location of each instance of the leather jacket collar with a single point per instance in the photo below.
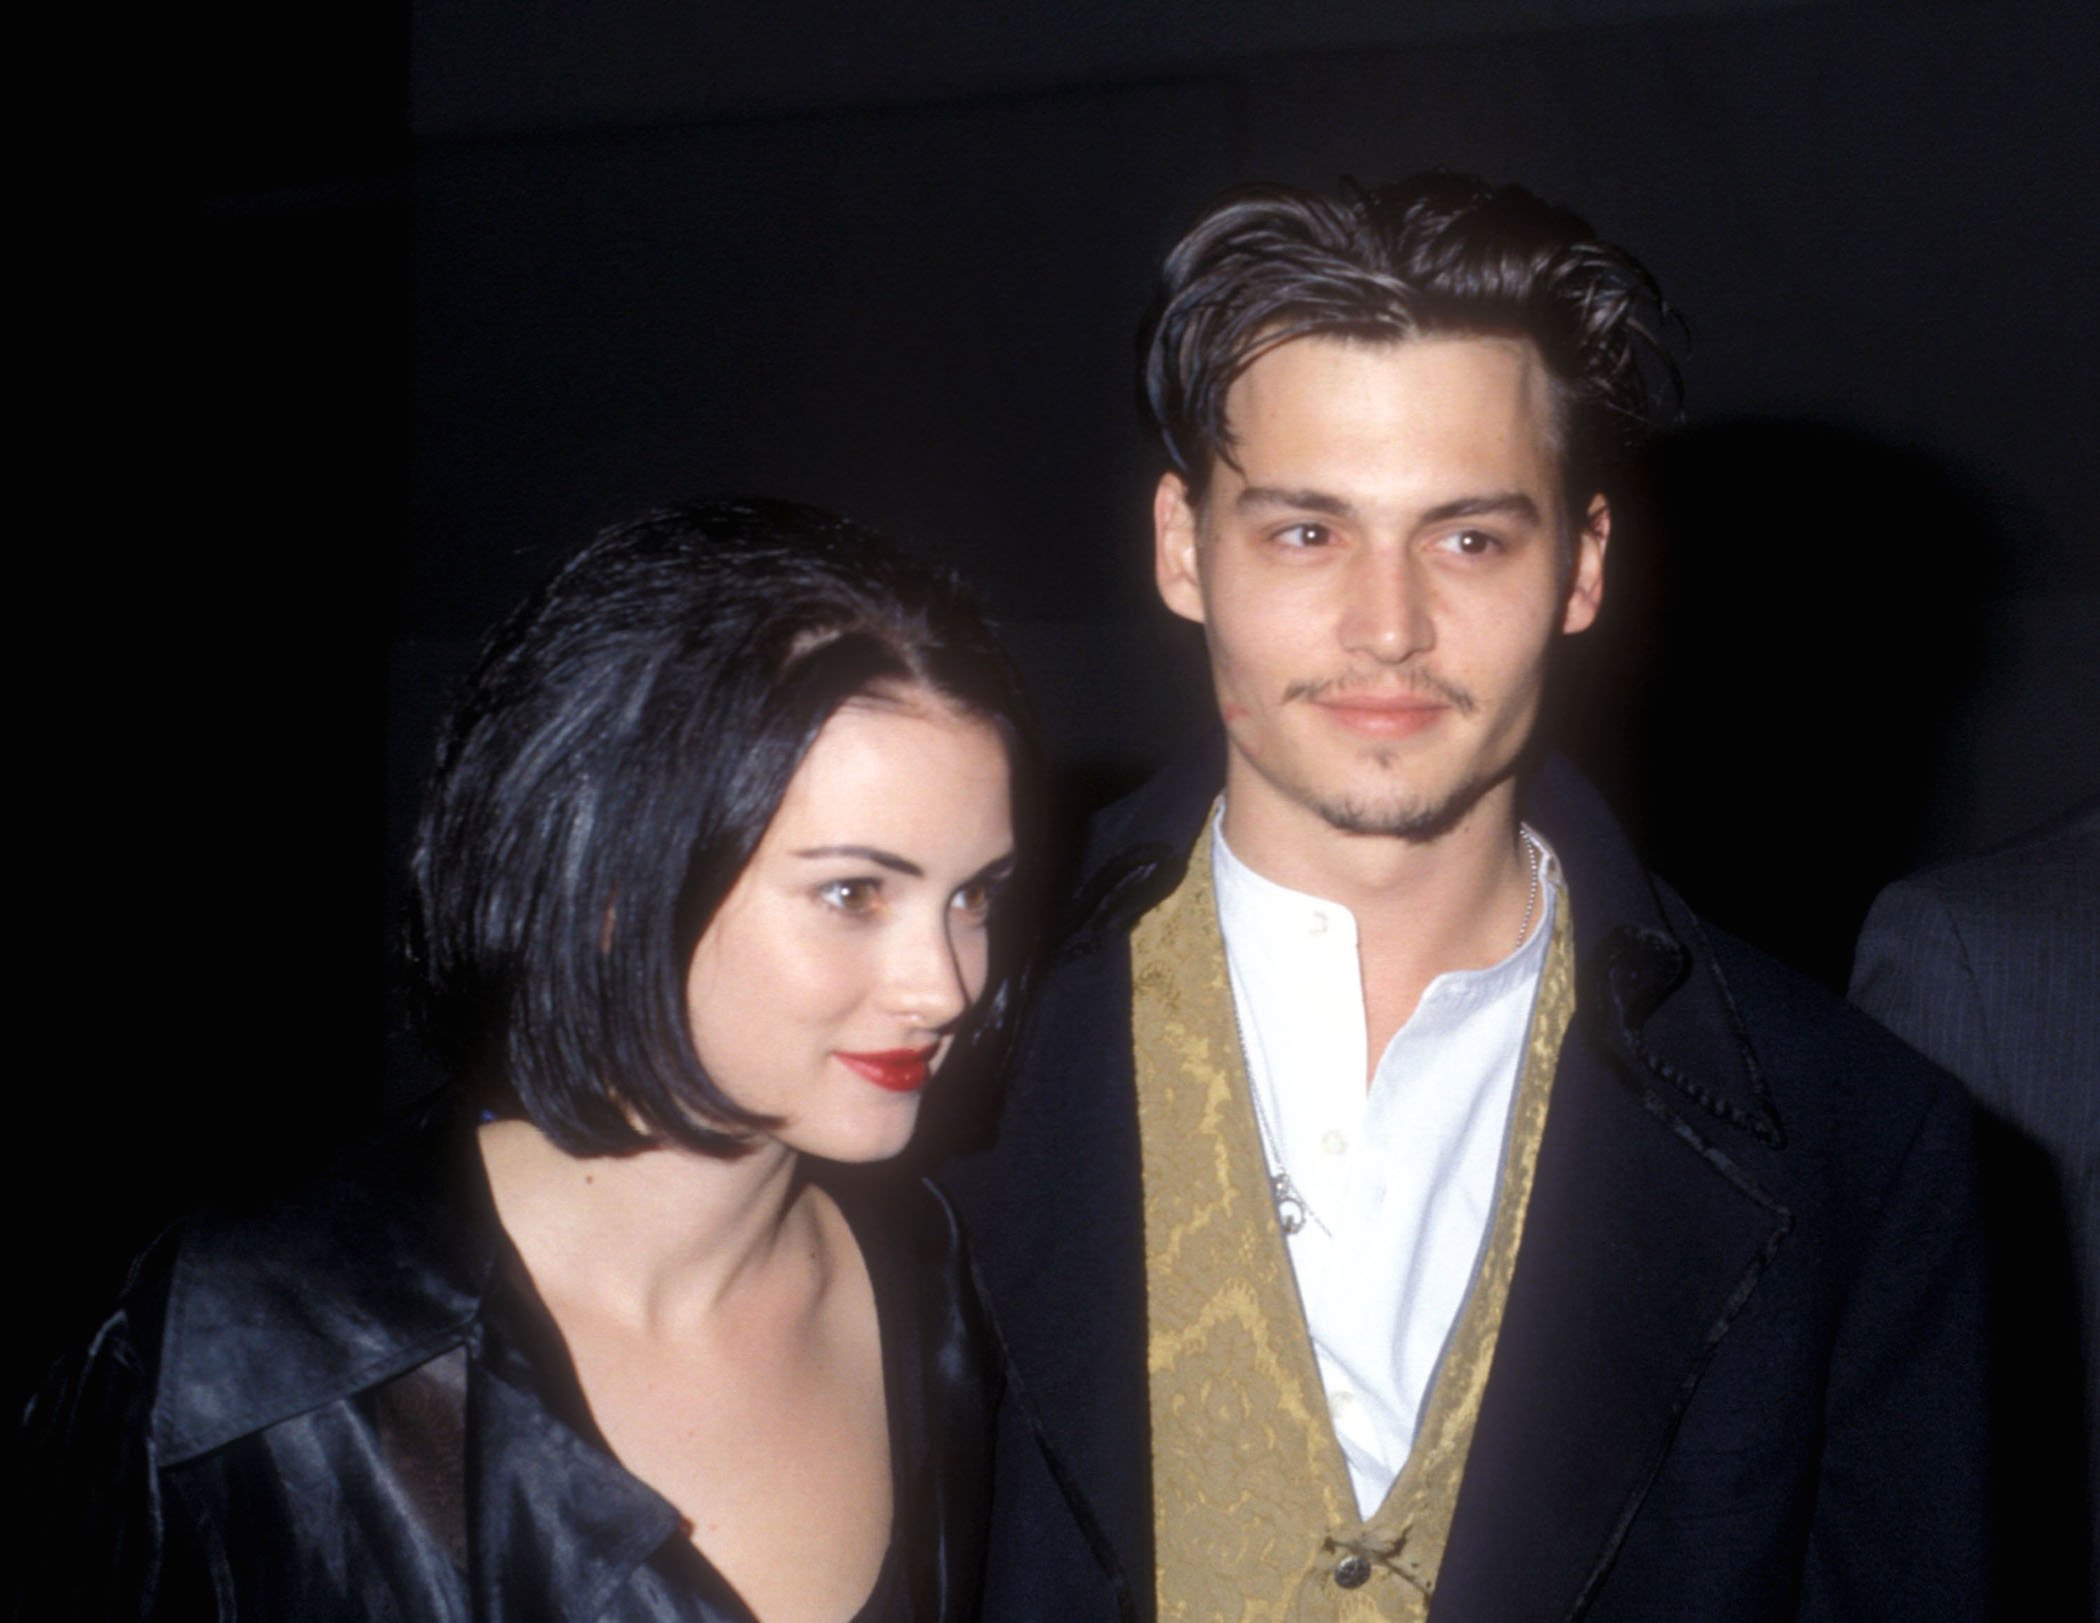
(259, 1333)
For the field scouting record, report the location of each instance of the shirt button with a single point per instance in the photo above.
(1352, 1572)
(1335, 1142)
(1317, 924)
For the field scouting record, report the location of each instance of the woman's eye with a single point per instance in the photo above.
(976, 898)
(853, 896)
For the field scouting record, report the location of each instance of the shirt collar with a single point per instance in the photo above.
(1256, 912)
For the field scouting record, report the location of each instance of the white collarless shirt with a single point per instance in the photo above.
(1399, 1179)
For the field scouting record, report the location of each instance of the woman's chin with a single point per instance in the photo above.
(866, 1138)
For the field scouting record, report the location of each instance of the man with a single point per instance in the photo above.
(1402, 1202)
(1987, 966)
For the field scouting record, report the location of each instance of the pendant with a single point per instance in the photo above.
(1290, 1209)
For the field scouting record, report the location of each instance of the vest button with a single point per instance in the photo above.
(1352, 1572)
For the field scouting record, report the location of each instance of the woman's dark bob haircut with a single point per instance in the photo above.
(608, 771)
(1438, 255)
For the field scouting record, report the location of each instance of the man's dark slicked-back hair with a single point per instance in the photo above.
(607, 773)
(1438, 255)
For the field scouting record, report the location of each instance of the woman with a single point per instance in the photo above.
(707, 892)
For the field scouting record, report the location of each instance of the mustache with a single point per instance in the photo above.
(1423, 684)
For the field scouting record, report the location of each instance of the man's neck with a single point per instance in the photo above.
(1424, 907)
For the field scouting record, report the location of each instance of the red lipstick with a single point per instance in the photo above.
(899, 1070)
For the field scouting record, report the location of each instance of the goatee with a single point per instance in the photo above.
(1410, 818)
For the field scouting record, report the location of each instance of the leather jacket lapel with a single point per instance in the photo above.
(559, 1527)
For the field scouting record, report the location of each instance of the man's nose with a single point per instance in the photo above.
(1387, 613)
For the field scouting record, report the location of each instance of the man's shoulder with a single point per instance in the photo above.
(1818, 1102)
(1800, 1024)
(1852, 1101)
(2047, 872)
(1986, 963)
(1136, 849)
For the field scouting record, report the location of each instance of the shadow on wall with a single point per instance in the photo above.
(1795, 613)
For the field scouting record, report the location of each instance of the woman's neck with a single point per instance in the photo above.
(660, 1239)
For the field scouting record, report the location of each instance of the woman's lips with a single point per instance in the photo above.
(1381, 717)
(900, 1070)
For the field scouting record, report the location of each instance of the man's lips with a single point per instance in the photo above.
(900, 1070)
(1383, 715)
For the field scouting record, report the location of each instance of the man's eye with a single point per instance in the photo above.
(854, 896)
(1473, 543)
(1305, 536)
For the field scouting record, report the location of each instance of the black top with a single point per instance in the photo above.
(352, 1404)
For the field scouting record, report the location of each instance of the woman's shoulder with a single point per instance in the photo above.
(250, 1341)
(249, 1312)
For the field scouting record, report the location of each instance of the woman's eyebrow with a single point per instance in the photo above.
(997, 868)
(867, 853)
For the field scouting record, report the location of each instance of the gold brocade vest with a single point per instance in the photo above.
(1253, 1512)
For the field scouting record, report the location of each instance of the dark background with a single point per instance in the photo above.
(390, 307)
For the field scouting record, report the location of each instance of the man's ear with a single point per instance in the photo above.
(1174, 542)
(1586, 580)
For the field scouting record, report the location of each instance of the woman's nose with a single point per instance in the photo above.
(929, 983)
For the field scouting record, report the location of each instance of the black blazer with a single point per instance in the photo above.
(1991, 967)
(1739, 1372)
(352, 1405)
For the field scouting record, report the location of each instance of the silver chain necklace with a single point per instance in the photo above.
(1537, 853)
(1293, 1210)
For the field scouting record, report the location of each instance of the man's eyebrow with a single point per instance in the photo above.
(1303, 501)
(1512, 503)
(868, 853)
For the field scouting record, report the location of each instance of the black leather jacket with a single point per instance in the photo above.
(353, 1405)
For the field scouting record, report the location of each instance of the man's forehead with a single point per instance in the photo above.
(1511, 353)
(1324, 391)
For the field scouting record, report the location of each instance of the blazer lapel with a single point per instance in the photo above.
(1060, 1253)
(1056, 1218)
(1643, 1242)
(1639, 1251)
